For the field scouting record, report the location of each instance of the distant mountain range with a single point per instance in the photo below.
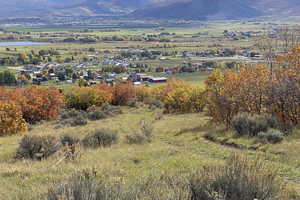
(157, 9)
(40, 8)
(199, 10)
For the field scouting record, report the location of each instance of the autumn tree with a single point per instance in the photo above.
(11, 120)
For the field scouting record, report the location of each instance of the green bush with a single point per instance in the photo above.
(97, 115)
(72, 117)
(272, 136)
(136, 138)
(71, 113)
(145, 134)
(238, 179)
(153, 103)
(245, 124)
(146, 129)
(111, 110)
(82, 186)
(100, 138)
(67, 140)
(78, 121)
(37, 147)
(85, 186)
(105, 111)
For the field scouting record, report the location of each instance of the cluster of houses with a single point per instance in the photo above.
(123, 62)
(224, 53)
(236, 35)
(130, 56)
(139, 79)
(72, 73)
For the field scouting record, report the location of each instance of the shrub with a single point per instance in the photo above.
(245, 124)
(100, 138)
(257, 89)
(40, 103)
(71, 113)
(136, 138)
(78, 121)
(11, 121)
(153, 103)
(85, 186)
(82, 98)
(123, 93)
(67, 140)
(143, 93)
(105, 111)
(146, 129)
(143, 136)
(96, 115)
(132, 103)
(272, 136)
(36, 103)
(162, 91)
(185, 99)
(70, 145)
(238, 179)
(72, 118)
(81, 186)
(37, 147)
(111, 110)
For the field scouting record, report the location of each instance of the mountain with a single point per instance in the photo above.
(199, 10)
(30, 8)
(159, 9)
(277, 7)
(218, 9)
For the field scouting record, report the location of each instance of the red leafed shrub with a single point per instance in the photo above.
(11, 121)
(36, 103)
(41, 103)
(123, 93)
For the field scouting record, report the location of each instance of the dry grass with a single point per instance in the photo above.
(177, 145)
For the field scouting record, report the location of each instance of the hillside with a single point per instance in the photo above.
(178, 146)
(199, 10)
(42, 8)
(159, 9)
(278, 7)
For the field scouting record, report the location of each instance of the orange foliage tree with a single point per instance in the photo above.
(36, 103)
(257, 90)
(123, 93)
(180, 97)
(11, 120)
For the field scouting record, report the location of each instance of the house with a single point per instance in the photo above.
(158, 80)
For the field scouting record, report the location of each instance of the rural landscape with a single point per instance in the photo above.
(150, 100)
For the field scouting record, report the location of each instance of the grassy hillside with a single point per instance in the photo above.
(178, 147)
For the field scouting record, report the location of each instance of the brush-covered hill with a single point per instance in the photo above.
(40, 8)
(159, 9)
(218, 9)
(199, 10)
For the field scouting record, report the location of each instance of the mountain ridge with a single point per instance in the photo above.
(156, 9)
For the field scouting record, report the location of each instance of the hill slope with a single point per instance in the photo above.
(29, 8)
(199, 9)
(165, 9)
